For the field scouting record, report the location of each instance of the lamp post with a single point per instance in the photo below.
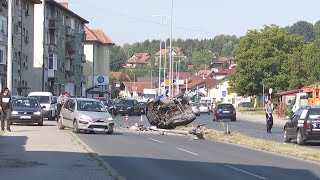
(9, 54)
(171, 60)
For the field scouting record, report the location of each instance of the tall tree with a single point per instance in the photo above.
(260, 57)
(304, 29)
(117, 58)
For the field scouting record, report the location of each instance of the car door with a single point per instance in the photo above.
(72, 112)
(136, 107)
(67, 114)
(294, 123)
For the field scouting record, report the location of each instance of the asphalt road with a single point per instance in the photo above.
(145, 156)
(251, 125)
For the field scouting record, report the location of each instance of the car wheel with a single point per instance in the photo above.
(75, 126)
(300, 140)
(40, 123)
(285, 136)
(90, 132)
(109, 132)
(60, 126)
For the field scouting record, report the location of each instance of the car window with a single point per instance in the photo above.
(26, 103)
(225, 106)
(67, 104)
(42, 99)
(72, 105)
(126, 102)
(314, 113)
(95, 106)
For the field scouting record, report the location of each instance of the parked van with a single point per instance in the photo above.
(46, 99)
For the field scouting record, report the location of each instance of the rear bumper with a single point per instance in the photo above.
(225, 116)
(25, 119)
(311, 135)
(99, 127)
(123, 111)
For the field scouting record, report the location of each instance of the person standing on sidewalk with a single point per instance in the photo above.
(269, 117)
(6, 108)
(59, 104)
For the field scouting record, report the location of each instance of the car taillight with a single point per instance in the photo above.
(307, 125)
(217, 111)
(234, 112)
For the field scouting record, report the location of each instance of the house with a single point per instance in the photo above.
(118, 76)
(177, 53)
(59, 48)
(206, 73)
(96, 59)
(202, 85)
(222, 74)
(219, 93)
(138, 60)
(136, 87)
(218, 64)
(181, 75)
(22, 45)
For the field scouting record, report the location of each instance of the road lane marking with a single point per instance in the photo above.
(155, 140)
(245, 172)
(188, 152)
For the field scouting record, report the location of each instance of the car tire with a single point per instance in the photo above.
(40, 123)
(300, 140)
(75, 127)
(91, 132)
(109, 132)
(60, 126)
(285, 136)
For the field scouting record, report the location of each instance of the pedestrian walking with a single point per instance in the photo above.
(5, 108)
(269, 117)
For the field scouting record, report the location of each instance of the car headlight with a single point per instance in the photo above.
(85, 118)
(14, 112)
(37, 113)
(129, 107)
(110, 119)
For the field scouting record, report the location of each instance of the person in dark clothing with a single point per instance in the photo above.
(269, 117)
(6, 108)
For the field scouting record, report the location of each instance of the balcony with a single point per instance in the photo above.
(52, 24)
(53, 48)
(70, 32)
(3, 38)
(51, 73)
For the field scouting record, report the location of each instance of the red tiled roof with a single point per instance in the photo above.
(206, 73)
(140, 86)
(182, 75)
(177, 50)
(65, 4)
(117, 75)
(139, 58)
(226, 71)
(97, 35)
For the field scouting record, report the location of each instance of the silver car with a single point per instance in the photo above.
(195, 109)
(85, 114)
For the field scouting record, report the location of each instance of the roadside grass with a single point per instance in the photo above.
(290, 149)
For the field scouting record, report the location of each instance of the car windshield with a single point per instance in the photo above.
(225, 106)
(95, 106)
(314, 113)
(203, 104)
(149, 96)
(126, 102)
(42, 99)
(105, 103)
(25, 102)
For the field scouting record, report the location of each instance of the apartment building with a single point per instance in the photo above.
(97, 62)
(3, 43)
(60, 47)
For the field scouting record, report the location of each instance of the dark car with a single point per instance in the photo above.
(26, 110)
(127, 106)
(143, 107)
(245, 104)
(224, 111)
(304, 125)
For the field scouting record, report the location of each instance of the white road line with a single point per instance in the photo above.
(245, 172)
(188, 151)
(156, 140)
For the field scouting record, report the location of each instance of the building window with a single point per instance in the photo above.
(63, 19)
(17, 2)
(16, 28)
(50, 61)
(2, 58)
(3, 24)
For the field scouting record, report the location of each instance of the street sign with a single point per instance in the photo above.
(224, 93)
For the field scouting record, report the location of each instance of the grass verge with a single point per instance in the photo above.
(266, 145)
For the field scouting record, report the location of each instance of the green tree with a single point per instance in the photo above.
(304, 29)
(117, 58)
(199, 58)
(261, 56)
(316, 28)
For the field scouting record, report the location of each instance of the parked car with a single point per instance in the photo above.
(85, 114)
(224, 111)
(204, 108)
(26, 110)
(304, 125)
(195, 108)
(143, 107)
(46, 101)
(127, 106)
(245, 104)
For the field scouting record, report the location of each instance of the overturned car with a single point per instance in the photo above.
(168, 114)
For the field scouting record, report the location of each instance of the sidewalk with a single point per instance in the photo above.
(261, 119)
(45, 153)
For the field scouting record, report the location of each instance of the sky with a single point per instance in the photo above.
(129, 21)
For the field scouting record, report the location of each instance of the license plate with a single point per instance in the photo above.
(98, 129)
(120, 110)
(25, 117)
(225, 111)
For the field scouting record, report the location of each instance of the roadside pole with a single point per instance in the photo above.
(9, 55)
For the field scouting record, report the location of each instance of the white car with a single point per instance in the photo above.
(195, 109)
(204, 108)
(84, 114)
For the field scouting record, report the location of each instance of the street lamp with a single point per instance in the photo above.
(171, 60)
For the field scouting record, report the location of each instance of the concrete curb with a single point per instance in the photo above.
(111, 171)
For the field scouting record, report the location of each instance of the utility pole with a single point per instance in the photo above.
(165, 64)
(171, 60)
(9, 55)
